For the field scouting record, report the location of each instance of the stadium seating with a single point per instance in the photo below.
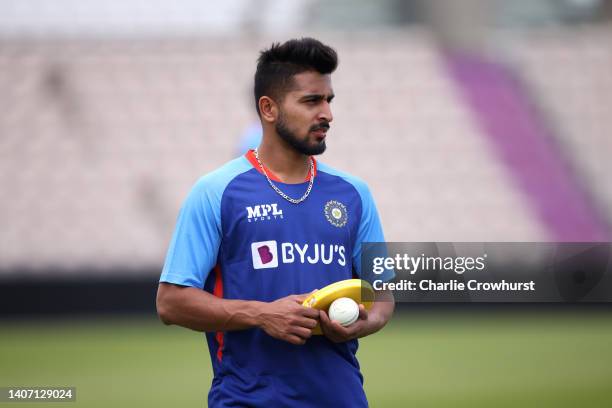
(570, 74)
(102, 139)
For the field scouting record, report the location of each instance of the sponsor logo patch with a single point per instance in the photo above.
(265, 254)
(264, 212)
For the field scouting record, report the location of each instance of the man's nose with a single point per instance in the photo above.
(326, 113)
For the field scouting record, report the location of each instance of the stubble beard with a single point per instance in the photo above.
(301, 146)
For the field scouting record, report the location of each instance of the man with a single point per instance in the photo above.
(256, 236)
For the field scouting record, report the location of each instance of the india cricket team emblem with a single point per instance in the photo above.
(336, 213)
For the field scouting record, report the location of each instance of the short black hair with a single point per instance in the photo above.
(278, 64)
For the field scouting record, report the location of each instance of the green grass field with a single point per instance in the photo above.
(422, 361)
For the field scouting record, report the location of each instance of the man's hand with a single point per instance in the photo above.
(367, 323)
(286, 319)
(338, 333)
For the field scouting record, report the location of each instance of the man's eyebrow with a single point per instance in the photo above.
(317, 97)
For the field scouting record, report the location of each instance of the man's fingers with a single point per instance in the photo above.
(310, 313)
(338, 333)
(363, 313)
(299, 298)
(353, 329)
(325, 323)
(335, 326)
(302, 296)
(293, 339)
(332, 330)
(308, 323)
(302, 332)
(323, 317)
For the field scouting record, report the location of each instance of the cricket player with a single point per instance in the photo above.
(257, 235)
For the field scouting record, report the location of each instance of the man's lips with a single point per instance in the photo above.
(320, 131)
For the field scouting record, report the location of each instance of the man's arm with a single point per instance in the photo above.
(284, 319)
(369, 322)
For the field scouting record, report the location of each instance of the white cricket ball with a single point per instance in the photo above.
(344, 311)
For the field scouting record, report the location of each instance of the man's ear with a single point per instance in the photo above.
(268, 109)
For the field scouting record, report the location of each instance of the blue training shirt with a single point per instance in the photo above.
(238, 239)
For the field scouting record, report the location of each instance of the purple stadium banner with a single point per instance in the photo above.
(524, 143)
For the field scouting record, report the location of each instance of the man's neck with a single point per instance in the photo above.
(283, 161)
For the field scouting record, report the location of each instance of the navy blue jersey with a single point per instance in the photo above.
(238, 239)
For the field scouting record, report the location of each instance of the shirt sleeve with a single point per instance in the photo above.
(195, 243)
(370, 231)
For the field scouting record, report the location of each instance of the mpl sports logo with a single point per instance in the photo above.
(264, 212)
(266, 254)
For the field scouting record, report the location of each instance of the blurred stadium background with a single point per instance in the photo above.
(471, 120)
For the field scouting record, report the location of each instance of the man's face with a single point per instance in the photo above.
(305, 114)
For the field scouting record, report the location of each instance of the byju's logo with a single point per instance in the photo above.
(265, 254)
(264, 212)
